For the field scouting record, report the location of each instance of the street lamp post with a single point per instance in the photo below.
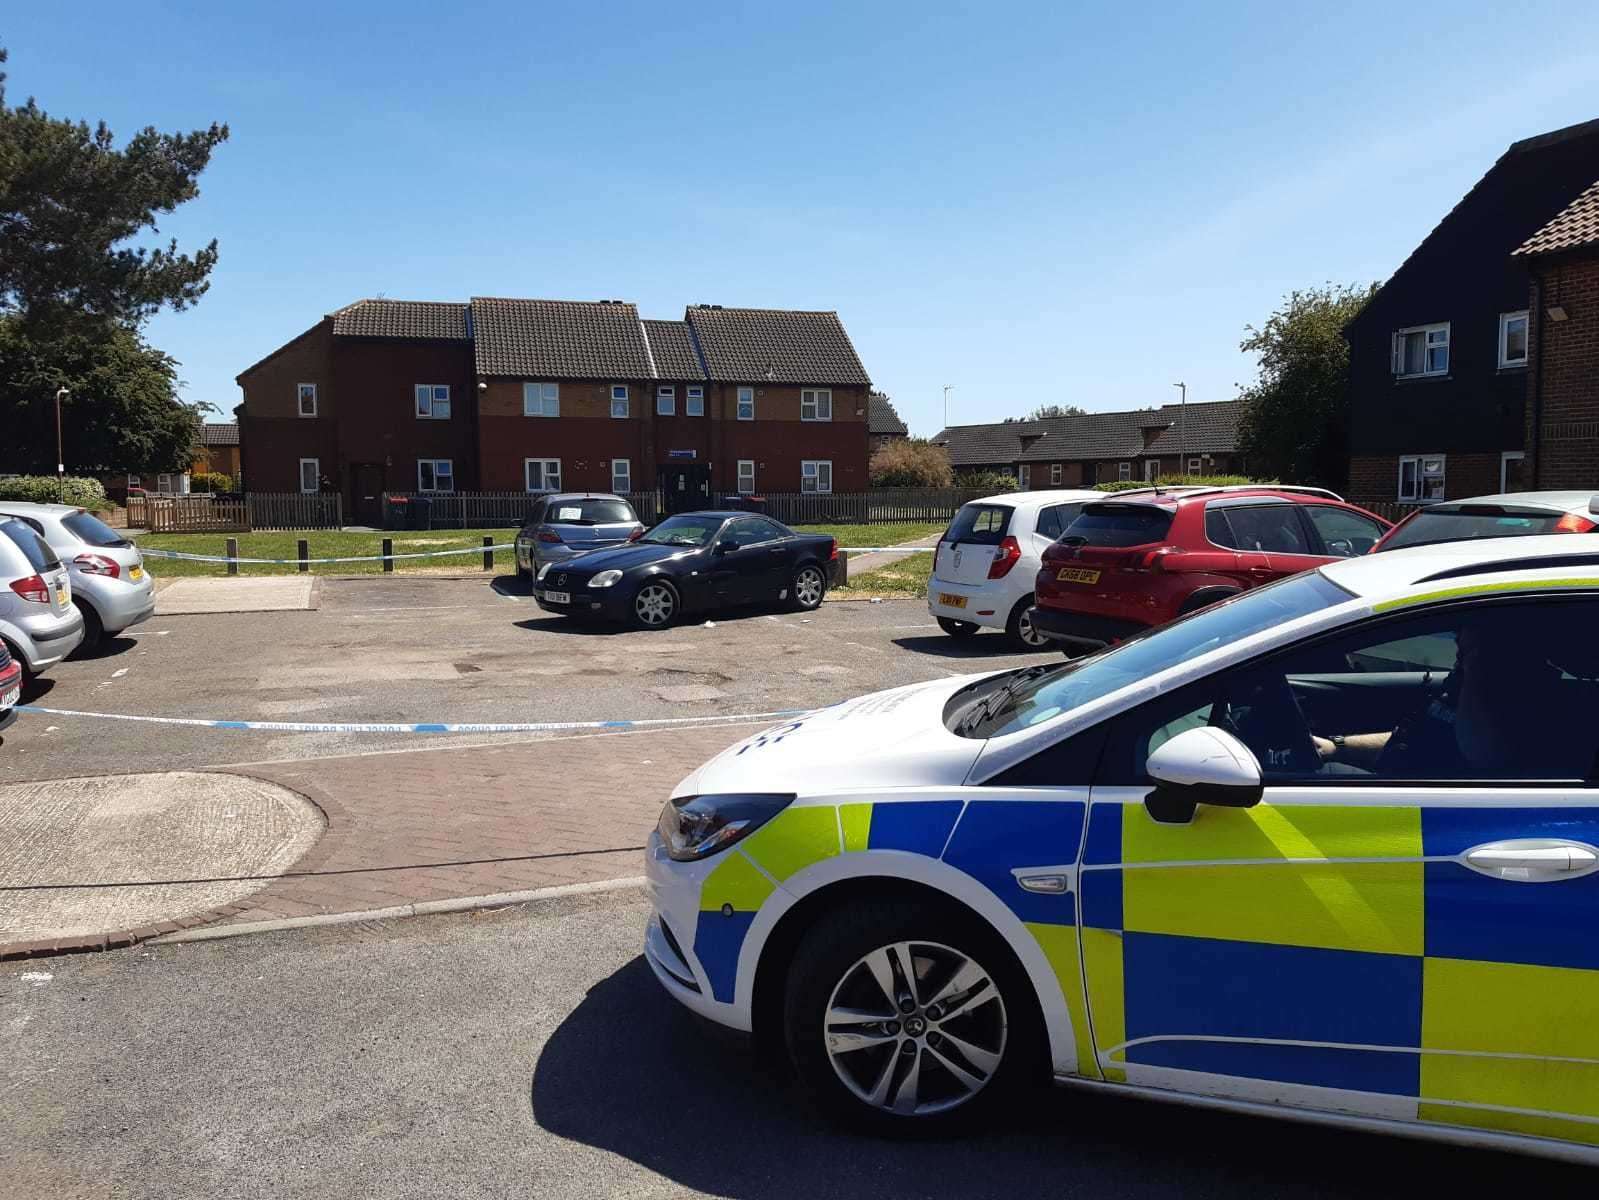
(948, 387)
(1182, 426)
(61, 458)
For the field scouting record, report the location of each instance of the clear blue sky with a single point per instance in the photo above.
(1074, 204)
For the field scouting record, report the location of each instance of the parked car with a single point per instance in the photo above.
(563, 525)
(985, 563)
(1329, 849)
(1514, 514)
(110, 586)
(38, 622)
(10, 688)
(691, 562)
(1135, 561)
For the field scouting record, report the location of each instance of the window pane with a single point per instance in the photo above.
(1217, 529)
(1272, 528)
(1437, 359)
(1345, 534)
(424, 475)
(1413, 361)
(1516, 339)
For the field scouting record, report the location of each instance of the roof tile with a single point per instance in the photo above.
(1573, 227)
(219, 434)
(748, 345)
(1197, 429)
(673, 349)
(401, 319)
(559, 339)
(881, 417)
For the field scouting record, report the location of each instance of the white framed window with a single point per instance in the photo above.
(665, 401)
(1124, 470)
(746, 404)
(746, 477)
(435, 475)
(816, 475)
(1421, 350)
(1194, 466)
(816, 404)
(694, 401)
(1512, 471)
(621, 476)
(433, 401)
(619, 400)
(163, 483)
(307, 398)
(135, 481)
(542, 474)
(1054, 474)
(1151, 470)
(541, 399)
(1024, 476)
(1513, 339)
(310, 475)
(1421, 477)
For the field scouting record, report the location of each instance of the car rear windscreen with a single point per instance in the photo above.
(1464, 525)
(91, 529)
(590, 512)
(40, 557)
(980, 524)
(1115, 525)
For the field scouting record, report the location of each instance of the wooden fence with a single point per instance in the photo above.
(1390, 510)
(206, 513)
(882, 506)
(295, 510)
(481, 510)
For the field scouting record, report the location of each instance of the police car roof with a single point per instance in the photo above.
(1483, 562)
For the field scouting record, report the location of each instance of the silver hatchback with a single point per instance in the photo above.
(38, 623)
(110, 586)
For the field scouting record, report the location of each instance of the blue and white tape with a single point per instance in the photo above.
(423, 726)
(180, 556)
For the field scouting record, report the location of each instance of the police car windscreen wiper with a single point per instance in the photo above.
(1003, 697)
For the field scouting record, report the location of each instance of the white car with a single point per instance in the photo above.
(1329, 849)
(984, 566)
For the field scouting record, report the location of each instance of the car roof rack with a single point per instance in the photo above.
(1184, 490)
(1588, 558)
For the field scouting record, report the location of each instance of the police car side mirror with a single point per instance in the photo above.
(1201, 766)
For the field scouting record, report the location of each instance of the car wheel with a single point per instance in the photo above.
(27, 672)
(1020, 627)
(957, 629)
(909, 1018)
(93, 628)
(655, 604)
(810, 585)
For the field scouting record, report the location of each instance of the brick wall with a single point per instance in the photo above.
(1563, 438)
(272, 436)
(1374, 479)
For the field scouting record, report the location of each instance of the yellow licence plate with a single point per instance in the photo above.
(950, 601)
(136, 574)
(61, 597)
(1077, 575)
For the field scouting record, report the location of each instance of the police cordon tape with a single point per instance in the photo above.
(424, 727)
(179, 556)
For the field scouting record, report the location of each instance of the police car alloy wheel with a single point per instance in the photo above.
(655, 605)
(907, 1017)
(809, 587)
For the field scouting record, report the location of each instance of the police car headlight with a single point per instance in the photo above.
(695, 827)
(544, 570)
(605, 579)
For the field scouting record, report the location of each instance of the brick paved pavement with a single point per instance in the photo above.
(583, 804)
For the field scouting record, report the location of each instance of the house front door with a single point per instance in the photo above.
(368, 498)
(685, 487)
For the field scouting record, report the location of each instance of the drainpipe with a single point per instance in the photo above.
(1535, 425)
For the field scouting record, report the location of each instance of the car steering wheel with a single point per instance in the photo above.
(1266, 717)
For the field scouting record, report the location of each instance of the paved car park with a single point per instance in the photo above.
(529, 1052)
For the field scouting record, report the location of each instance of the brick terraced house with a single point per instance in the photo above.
(390, 396)
(1090, 448)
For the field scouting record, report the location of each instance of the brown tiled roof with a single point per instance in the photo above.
(401, 319)
(1203, 429)
(559, 339)
(751, 345)
(219, 434)
(1574, 226)
(672, 347)
(881, 417)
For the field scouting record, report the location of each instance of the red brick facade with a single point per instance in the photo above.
(1374, 479)
(1563, 391)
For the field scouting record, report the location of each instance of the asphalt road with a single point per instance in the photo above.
(428, 649)
(529, 1053)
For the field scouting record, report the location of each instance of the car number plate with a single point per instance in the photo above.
(951, 601)
(558, 597)
(61, 597)
(1077, 575)
(136, 574)
(10, 698)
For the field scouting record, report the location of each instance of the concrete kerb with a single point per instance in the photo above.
(421, 908)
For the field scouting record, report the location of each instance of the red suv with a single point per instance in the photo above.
(1126, 565)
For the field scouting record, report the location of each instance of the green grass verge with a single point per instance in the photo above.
(327, 544)
(874, 535)
(903, 580)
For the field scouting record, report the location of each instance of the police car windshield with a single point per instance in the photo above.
(1067, 687)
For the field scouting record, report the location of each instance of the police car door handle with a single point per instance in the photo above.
(1533, 860)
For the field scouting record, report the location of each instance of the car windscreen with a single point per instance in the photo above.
(1432, 526)
(87, 527)
(1120, 525)
(40, 557)
(980, 525)
(685, 530)
(587, 511)
(1067, 687)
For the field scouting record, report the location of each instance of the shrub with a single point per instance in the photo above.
(911, 462)
(986, 481)
(1124, 485)
(46, 489)
(210, 481)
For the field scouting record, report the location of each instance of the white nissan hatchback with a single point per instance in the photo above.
(984, 566)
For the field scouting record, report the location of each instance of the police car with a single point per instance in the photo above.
(1329, 849)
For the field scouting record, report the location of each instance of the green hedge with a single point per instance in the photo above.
(1125, 485)
(46, 489)
(211, 481)
(988, 481)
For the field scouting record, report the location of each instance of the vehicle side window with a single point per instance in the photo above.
(745, 532)
(1273, 528)
(536, 514)
(1070, 762)
(765, 531)
(1343, 533)
(1053, 520)
(1217, 529)
(36, 526)
(1476, 693)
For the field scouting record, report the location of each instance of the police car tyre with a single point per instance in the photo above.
(957, 629)
(655, 604)
(809, 586)
(1020, 627)
(960, 1040)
